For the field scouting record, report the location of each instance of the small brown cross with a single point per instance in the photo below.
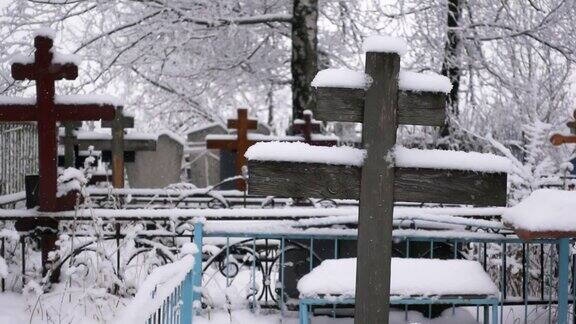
(118, 125)
(308, 127)
(559, 139)
(242, 124)
(46, 112)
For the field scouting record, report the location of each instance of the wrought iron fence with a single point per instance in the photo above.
(530, 277)
(18, 155)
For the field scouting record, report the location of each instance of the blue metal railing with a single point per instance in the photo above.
(541, 279)
(179, 306)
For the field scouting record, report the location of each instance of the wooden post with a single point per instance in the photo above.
(69, 143)
(118, 149)
(377, 190)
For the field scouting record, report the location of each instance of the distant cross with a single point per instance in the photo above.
(46, 112)
(242, 124)
(70, 147)
(559, 139)
(118, 149)
(118, 124)
(308, 127)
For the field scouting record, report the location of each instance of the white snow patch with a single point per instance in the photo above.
(337, 277)
(432, 82)
(302, 152)
(154, 290)
(7, 100)
(385, 44)
(90, 99)
(45, 32)
(70, 180)
(544, 210)
(341, 78)
(20, 58)
(3, 268)
(457, 160)
(60, 58)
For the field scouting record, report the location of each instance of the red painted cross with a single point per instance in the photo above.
(47, 112)
(559, 139)
(308, 127)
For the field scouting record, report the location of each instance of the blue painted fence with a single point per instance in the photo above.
(179, 306)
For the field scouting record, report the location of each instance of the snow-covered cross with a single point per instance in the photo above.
(46, 67)
(239, 145)
(559, 139)
(308, 127)
(381, 98)
(118, 126)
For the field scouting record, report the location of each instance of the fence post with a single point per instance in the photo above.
(563, 269)
(186, 308)
(193, 282)
(198, 237)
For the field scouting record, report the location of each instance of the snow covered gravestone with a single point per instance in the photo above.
(383, 173)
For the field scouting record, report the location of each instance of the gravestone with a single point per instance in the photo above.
(382, 174)
(203, 164)
(159, 168)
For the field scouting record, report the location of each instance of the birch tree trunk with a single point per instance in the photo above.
(304, 63)
(451, 63)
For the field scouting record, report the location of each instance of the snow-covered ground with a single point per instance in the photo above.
(16, 309)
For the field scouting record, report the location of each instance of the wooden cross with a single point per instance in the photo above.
(378, 183)
(242, 124)
(118, 149)
(46, 111)
(559, 139)
(70, 147)
(117, 125)
(308, 127)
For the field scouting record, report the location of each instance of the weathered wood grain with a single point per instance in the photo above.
(347, 105)
(289, 179)
(377, 190)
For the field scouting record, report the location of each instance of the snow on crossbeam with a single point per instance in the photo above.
(341, 78)
(88, 99)
(341, 97)
(413, 81)
(546, 213)
(441, 278)
(444, 159)
(302, 152)
(300, 170)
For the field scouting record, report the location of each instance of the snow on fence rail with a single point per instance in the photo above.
(171, 292)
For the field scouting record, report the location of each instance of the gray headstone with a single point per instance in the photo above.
(204, 164)
(157, 169)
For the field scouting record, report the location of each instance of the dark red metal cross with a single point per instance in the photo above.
(308, 127)
(46, 112)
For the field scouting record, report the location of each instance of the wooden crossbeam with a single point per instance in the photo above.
(242, 124)
(347, 105)
(315, 180)
(127, 122)
(129, 144)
